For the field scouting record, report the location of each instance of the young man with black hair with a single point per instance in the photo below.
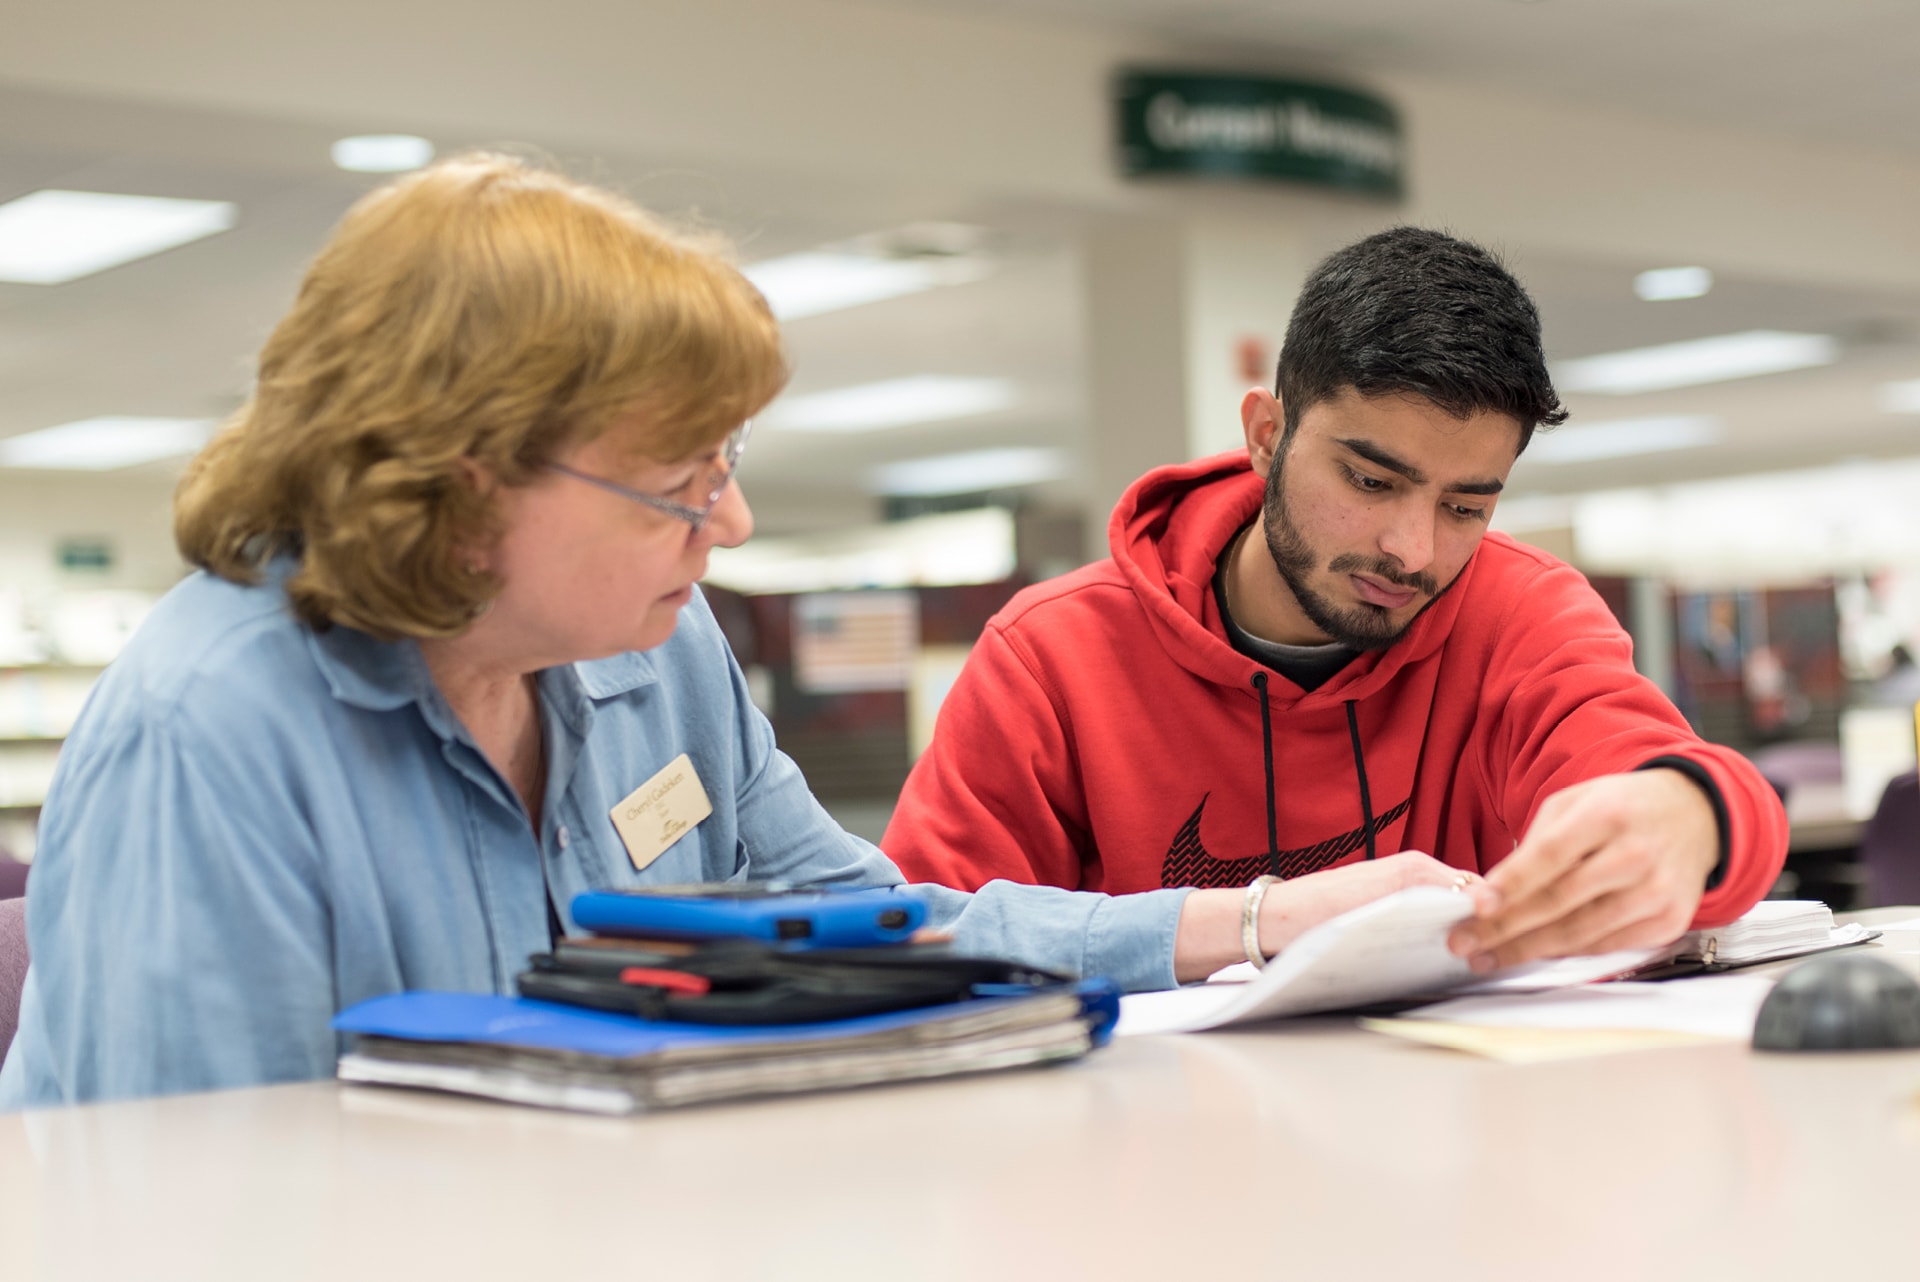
(1304, 658)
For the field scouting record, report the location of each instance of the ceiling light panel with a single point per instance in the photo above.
(1845, 519)
(50, 237)
(809, 284)
(104, 444)
(1623, 438)
(929, 551)
(871, 269)
(1901, 398)
(382, 153)
(896, 402)
(1666, 283)
(1700, 360)
(971, 472)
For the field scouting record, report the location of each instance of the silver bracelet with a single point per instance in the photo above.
(1250, 919)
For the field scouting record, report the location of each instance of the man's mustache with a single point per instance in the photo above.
(1353, 563)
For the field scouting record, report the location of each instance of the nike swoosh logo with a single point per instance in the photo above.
(1189, 864)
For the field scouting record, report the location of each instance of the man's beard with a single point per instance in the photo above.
(1362, 627)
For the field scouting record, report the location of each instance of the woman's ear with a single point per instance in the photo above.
(478, 475)
(481, 479)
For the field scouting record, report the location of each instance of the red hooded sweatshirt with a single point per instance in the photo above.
(1105, 735)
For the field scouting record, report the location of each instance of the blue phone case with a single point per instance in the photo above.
(826, 919)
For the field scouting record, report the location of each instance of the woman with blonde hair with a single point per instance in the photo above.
(445, 622)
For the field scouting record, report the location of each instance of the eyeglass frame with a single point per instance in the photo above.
(730, 453)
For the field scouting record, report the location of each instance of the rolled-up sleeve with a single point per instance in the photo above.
(1125, 938)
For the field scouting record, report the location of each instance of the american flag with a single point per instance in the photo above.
(854, 641)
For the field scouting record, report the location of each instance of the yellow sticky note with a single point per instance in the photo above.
(1533, 1045)
(661, 811)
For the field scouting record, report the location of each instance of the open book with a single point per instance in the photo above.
(1395, 949)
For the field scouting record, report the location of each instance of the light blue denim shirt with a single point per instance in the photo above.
(255, 825)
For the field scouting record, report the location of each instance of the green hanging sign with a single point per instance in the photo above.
(1258, 129)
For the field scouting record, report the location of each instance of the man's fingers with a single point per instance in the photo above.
(1561, 835)
(1588, 929)
(1648, 932)
(1605, 871)
(1610, 859)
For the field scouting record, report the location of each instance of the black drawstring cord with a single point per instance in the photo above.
(1266, 743)
(1360, 768)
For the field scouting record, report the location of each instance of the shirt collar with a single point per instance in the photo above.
(380, 676)
(383, 675)
(367, 672)
(608, 678)
(359, 669)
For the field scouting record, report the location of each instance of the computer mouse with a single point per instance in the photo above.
(1840, 1003)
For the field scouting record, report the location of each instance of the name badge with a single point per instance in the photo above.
(661, 811)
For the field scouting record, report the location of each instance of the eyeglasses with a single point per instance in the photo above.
(730, 452)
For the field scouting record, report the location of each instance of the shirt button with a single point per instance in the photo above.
(561, 836)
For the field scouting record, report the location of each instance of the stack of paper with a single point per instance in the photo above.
(1772, 928)
(530, 1052)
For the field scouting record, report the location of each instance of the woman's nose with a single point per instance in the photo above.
(730, 523)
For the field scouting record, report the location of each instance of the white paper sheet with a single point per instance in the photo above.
(1712, 1006)
(1837, 937)
(1528, 977)
(1391, 948)
(1565, 972)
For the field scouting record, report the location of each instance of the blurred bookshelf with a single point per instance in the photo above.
(53, 647)
(41, 701)
(38, 706)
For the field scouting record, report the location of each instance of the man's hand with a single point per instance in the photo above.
(1616, 862)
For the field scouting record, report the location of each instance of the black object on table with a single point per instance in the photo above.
(1846, 1002)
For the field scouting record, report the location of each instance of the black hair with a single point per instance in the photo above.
(1416, 312)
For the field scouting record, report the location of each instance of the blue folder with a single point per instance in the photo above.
(517, 1021)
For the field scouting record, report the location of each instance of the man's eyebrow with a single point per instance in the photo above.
(1381, 458)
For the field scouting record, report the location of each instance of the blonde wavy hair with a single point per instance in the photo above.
(481, 311)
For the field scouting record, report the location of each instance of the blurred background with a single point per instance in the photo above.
(1000, 315)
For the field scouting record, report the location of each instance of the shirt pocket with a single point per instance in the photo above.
(742, 869)
(699, 856)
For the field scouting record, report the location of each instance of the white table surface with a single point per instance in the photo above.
(1313, 1150)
